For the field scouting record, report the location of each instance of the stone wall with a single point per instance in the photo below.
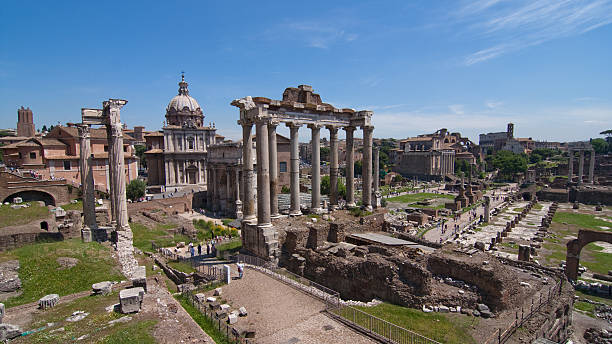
(12, 241)
(554, 195)
(169, 206)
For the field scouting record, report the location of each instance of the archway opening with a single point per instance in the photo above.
(32, 196)
(44, 225)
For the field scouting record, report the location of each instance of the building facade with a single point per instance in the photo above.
(181, 158)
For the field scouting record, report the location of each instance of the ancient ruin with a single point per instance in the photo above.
(108, 116)
(299, 106)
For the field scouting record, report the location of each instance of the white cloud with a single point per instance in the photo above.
(319, 34)
(457, 109)
(491, 104)
(512, 26)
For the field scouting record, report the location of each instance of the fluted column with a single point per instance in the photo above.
(591, 166)
(367, 168)
(111, 163)
(273, 169)
(247, 173)
(333, 168)
(570, 167)
(350, 167)
(315, 172)
(238, 201)
(119, 167)
(294, 170)
(87, 180)
(376, 169)
(581, 167)
(263, 175)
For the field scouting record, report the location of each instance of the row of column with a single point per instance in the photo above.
(581, 166)
(176, 172)
(267, 169)
(223, 185)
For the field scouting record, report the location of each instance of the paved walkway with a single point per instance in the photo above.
(281, 314)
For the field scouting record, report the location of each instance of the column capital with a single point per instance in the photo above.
(367, 128)
(314, 126)
(349, 128)
(116, 130)
(332, 128)
(84, 131)
(272, 122)
(244, 122)
(293, 125)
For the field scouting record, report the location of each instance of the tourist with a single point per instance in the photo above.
(207, 249)
(192, 251)
(199, 249)
(240, 270)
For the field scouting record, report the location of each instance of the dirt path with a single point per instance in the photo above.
(281, 314)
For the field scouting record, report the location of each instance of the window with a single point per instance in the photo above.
(32, 155)
(125, 148)
(105, 148)
(190, 142)
(283, 167)
(67, 165)
(19, 155)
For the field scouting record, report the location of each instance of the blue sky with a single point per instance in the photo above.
(469, 66)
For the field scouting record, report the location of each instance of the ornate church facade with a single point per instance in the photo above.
(178, 155)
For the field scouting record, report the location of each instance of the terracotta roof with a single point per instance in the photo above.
(96, 133)
(155, 133)
(62, 157)
(417, 139)
(50, 142)
(154, 151)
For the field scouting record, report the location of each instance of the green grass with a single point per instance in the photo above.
(226, 222)
(418, 197)
(584, 306)
(182, 266)
(160, 235)
(448, 329)
(584, 221)
(205, 323)
(39, 272)
(22, 216)
(95, 324)
(518, 210)
(594, 260)
(231, 247)
(583, 295)
(537, 206)
(73, 206)
(139, 332)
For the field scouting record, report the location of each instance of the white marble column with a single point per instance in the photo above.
(591, 166)
(367, 168)
(581, 168)
(350, 167)
(376, 169)
(333, 168)
(119, 167)
(111, 163)
(87, 182)
(315, 170)
(570, 166)
(294, 170)
(273, 157)
(263, 175)
(247, 172)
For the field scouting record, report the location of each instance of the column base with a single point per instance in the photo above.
(252, 219)
(264, 225)
(275, 216)
(351, 205)
(86, 235)
(295, 213)
(368, 208)
(316, 210)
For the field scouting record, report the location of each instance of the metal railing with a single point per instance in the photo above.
(362, 321)
(501, 336)
(379, 328)
(233, 336)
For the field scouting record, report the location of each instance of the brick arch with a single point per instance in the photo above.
(574, 247)
(32, 195)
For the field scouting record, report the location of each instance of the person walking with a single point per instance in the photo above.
(199, 249)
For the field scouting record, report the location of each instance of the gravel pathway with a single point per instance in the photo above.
(281, 314)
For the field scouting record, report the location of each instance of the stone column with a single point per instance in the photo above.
(263, 175)
(294, 170)
(273, 169)
(350, 167)
(228, 193)
(111, 163)
(333, 168)
(315, 170)
(247, 173)
(376, 169)
(591, 166)
(570, 166)
(238, 202)
(87, 184)
(487, 208)
(367, 168)
(215, 189)
(581, 167)
(119, 166)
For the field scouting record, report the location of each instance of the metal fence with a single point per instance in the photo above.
(501, 336)
(362, 321)
(232, 335)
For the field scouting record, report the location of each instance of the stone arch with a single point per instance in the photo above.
(31, 196)
(44, 225)
(574, 247)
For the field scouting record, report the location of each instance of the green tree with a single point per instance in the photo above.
(358, 167)
(324, 153)
(326, 187)
(462, 166)
(44, 128)
(135, 189)
(140, 149)
(285, 189)
(599, 145)
(509, 163)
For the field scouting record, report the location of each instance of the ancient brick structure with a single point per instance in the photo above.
(575, 246)
(25, 123)
(52, 192)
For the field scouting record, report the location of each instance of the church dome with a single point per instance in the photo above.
(184, 110)
(183, 99)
